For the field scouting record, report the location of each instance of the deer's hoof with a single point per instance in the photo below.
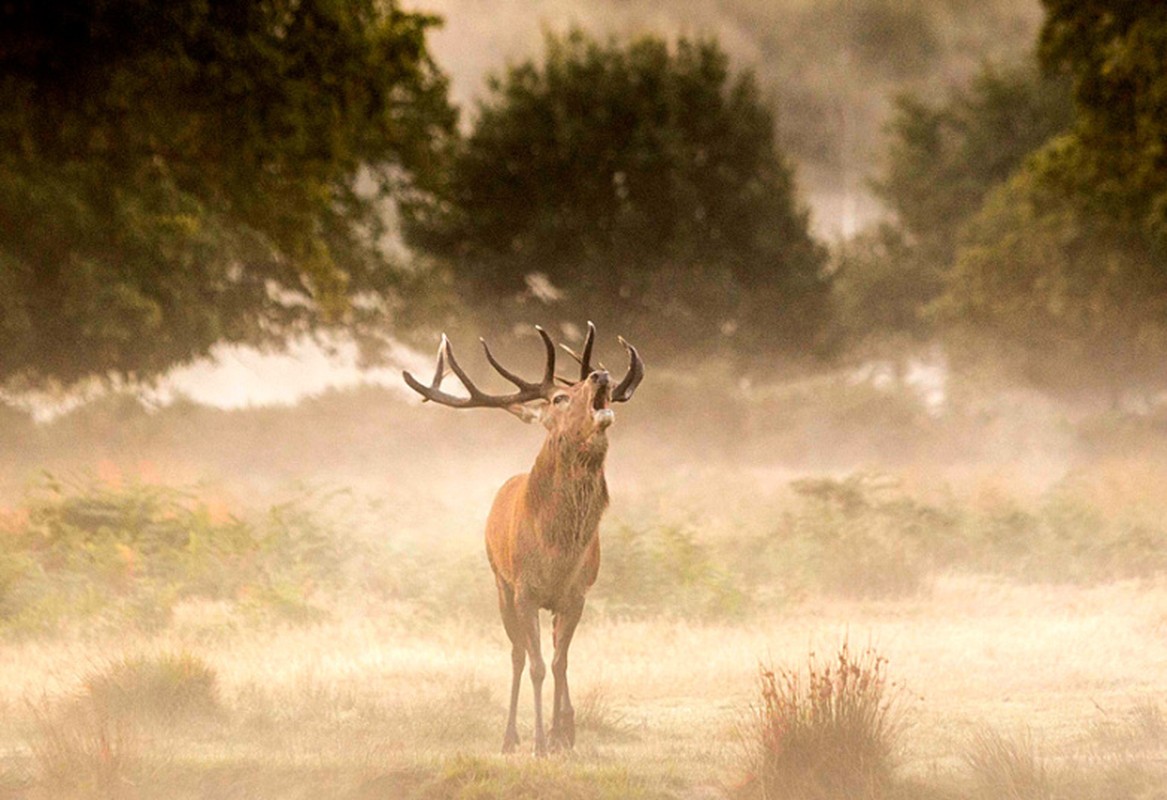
(561, 740)
(510, 742)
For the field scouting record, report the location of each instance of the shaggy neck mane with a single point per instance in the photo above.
(567, 490)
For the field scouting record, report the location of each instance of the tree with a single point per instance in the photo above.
(625, 173)
(1066, 298)
(944, 159)
(1116, 160)
(178, 174)
(1066, 265)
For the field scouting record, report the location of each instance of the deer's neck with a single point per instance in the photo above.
(567, 491)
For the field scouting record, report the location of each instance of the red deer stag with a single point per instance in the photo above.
(542, 533)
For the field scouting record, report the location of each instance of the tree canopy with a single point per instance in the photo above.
(1065, 264)
(943, 159)
(177, 174)
(614, 168)
(1116, 159)
(1068, 300)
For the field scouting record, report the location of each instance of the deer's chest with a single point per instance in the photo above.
(554, 576)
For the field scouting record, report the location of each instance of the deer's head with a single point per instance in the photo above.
(573, 411)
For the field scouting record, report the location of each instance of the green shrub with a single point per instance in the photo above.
(93, 552)
(665, 570)
(861, 537)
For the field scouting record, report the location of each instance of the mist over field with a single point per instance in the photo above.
(888, 512)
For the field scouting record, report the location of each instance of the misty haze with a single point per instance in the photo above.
(819, 412)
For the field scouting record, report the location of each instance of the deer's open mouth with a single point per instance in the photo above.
(602, 415)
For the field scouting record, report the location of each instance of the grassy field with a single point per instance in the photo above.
(163, 642)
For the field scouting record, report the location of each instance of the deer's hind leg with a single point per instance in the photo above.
(510, 621)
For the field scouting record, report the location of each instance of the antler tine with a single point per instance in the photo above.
(549, 371)
(456, 368)
(433, 391)
(576, 357)
(440, 371)
(623, 391)
(585, 363)
(501, 370)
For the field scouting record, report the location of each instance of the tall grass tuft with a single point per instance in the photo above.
(84, 751)
(1006, 767)
(163, 688)
(827, 733)
(594, 712)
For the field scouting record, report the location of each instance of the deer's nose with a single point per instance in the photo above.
(599, 377)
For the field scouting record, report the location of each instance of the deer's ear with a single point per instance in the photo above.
(525, 412)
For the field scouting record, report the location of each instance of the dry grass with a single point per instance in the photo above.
(82, 750)
(167, 688)
(370, 700)
(595, 714)
(828, 732)
(1006, 767)
(400, 690)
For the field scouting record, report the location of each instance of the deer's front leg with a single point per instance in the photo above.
(562, 714)
(528, 614)
(510, 620)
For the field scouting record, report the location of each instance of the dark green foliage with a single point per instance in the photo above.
(1065, 267)
(944, 159)
(1071, 299)
(624, 173)
(882, 285)
(1114, 52)
(173, 175)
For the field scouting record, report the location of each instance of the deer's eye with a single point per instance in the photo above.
(561, 399)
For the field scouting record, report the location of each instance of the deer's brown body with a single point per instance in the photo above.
(542, 534)
(549, 549)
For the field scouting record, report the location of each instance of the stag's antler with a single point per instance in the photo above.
(528, 391)
(513, 402)
(623, 391)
